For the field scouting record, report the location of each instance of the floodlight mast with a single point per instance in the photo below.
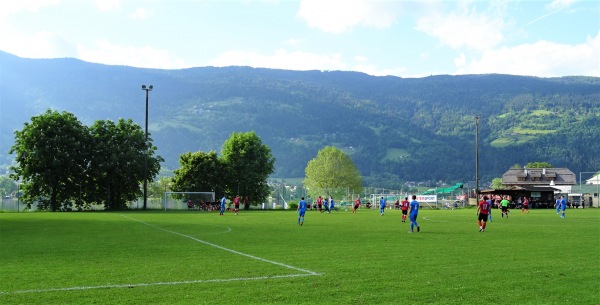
(147, 89)
(476, 159)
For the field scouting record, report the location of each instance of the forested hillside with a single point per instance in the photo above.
(393, 128)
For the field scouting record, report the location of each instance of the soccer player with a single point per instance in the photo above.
(483, 210)
(504, 203)
(557, 205)
(331, 204)
(414, 212)
(563, 205)
(356, 205)
(381, 206)
(491, 208)
(223, 202)
(236, 204)
(404, 206)
(326, 205)
(301, 211)
(525, 205)
(320, 204)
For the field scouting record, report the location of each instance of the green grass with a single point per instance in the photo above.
(264, 257)
(395, 154)
(529, 131)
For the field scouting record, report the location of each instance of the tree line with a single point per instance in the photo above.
(63, 165)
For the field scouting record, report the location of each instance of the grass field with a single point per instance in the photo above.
(264, 257)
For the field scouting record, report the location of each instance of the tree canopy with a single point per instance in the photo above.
(52, 155)
(243, 169)
(199, 172)
(64, 163)
(118, 163)
(333, 173)
(249, 164)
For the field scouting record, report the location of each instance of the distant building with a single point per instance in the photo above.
(538, 184)
(594, 180)
(539, 177)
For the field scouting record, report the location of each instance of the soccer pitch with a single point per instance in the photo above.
(265, 257)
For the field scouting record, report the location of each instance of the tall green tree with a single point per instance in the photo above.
(249, 163)
(200, 172)
(52, 154)
(332, 172)
(119, 159)
(497, 184)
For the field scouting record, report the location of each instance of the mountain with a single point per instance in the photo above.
(393, 128)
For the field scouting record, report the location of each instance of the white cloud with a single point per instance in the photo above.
(465, 28)
(337, 16)
(461, 60)
(107, 53)
(559, 4)
(140, 14)
(43, 44)
(542, 58)
(295, 42)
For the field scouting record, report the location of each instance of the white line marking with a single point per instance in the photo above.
(305, 272)
(156, 284)
(226, 249)
(434, 220)
(215, 233)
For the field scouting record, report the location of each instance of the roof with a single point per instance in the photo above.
(594, 180)
(539, 176)
(528, 188)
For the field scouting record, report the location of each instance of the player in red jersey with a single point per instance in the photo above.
(320, 204)
(404, 206)
(236, 204)
(356, 205)
(483, 210)
(525, 205)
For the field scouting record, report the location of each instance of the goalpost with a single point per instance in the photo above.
(390, 198)
(182, 200)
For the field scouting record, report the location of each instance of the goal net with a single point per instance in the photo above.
(189, 201)
(389, 198)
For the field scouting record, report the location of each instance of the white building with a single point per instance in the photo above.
(594, 180)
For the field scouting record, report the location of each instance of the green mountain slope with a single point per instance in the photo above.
(410, 129)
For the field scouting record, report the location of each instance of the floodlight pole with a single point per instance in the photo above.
(476, 159)
(147, 89)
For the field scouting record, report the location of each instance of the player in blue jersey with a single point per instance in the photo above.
(489, 201)
(563, 205)
(414, 213)
(557, 205)
(331, 204)
(223, 202)
(301, 211)
(382, 203)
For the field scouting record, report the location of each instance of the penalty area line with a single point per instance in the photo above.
(227, 249)
(270, 277)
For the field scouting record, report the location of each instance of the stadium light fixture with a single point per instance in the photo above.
(147, 89)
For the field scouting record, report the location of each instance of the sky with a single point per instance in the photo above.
(377, 37)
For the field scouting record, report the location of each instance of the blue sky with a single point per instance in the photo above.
(401, 38)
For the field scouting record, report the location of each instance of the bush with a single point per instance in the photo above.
(293, 206)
